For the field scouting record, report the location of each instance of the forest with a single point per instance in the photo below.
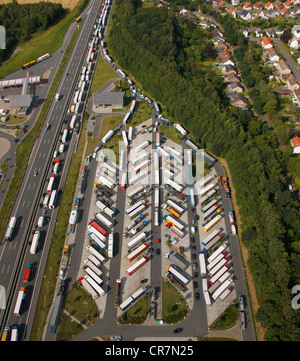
(21, 21)
(165, 54)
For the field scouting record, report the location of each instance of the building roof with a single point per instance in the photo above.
(108, 98)
(295, 142)
(20, 100)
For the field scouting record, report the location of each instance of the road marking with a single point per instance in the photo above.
(28, 203)
(29, 186)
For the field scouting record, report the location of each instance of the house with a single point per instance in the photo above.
(228, 69)
(221, 45)
(283, 67)
(284, 11)
(269, 5)
(294, 43)
(295, 142)
(272, 55)
(245, 15)
(288, 4)
(227, 61)
(225, 53)
(296, 31)
(235, 87)
(259, 33)
(235, 2)
(266, 43)
(296, 99)
(270, 32)
(232, 12)
(237, 100)
(230, 78)
(262, 14)
(295, 11)
(257, 6)
(247, 6)
(272, 13)
(292, 82)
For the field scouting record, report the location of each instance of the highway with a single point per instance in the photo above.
(15, 254)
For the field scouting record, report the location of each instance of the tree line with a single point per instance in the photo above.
(152, 45)
(22, 21)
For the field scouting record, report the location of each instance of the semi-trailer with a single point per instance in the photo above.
(125, 121)
(207, 300)
(180, 129)
(221, 289)
(57, 308)
(130, 133)
(177, 260)
(95, 285)
(132, 208)
(91, 273)
(89, 263)
(141, 166)
(97, 240)
(52, 201)
(204, 284)
(225, 293)
(97, 254)
(121, 72)
(156, 198)
(211, 212)
(162, 152)
(138, 211)
(110, 251)
(134, 223)
(106, 182)
(51, 184)
(137, 265)
(89, 289)
(174, 185)
(174, 222)
(156, 218)
(216, 253)
(177, 231)
(64, 137)
(103, 219)
(156, 107)
(157, 139)
(142, 146)
(107, 136)
(18, 305)
(142, 248)
(171, 210)
(56, 166)
(104, 208)
(211, 236)
(138, 177)
(191, 144)
(202, 264)
(98, 227)
(211, 223)
(14, 333)
(139, 189)
(218, 266)
(117, 293)
(177, 275)
(137, 239)
(205, 189)
(217, 275)
(216, 261)
(175, 206)
(140, 158)
(11, 225)
(94, 260)
(212, 203)
(35, 242)
(208, 196)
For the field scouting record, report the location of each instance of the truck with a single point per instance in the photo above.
(211, 223)
(61, 148)
(216, 253)
(221, 289)
(224, 182)
(138, 210)
(88, 288)
(5, 334)
(35, 242)
(177, 275)
(51, 184)
(57, 308)
(98, 227)
(137, 265)
(191, 144)
(19, 302)
(138, 177)
(231, 218)
(137, 239)
(27, 272)
(142, 146)
(171, 210)
(14, 333)
(97, 254)
(107, 136)
(175, 206)
(202, 264)
(95, 285)
(174, 185)
(56, 166)
(41, 221)
(93, 274)
(103, 219)
(121, 72)
(65, 134)
(227, 193)
(174, 222)
(180, 129)
(142, 248)
(117, 293)
(57, 96)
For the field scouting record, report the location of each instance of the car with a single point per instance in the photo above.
(193, 239)
(44, 211)
(158, 240)
(194, 256)
(16, 140)
(35, 226)
(194, 248)
(35, 173)
(197, 296)
(178, 330)
(193, 220)
(194, 265)
(158, 251)
(196, 274)
(119, 338)
(195, 284)
(144, 280)
(152, 294)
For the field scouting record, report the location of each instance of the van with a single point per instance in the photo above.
(61, 148)
(57, 96)
(41, 221)
(55, 155)
(193, 230)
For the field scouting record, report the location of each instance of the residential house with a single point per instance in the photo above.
(294, 43)
(227, 61)
(266, 43)
(259, 33)
(284, 11)
(269, 5)
(262, 14)
(296, 31)
(288, 4)
(236, 87)
(283, 68)
(228, 69)
(221, 45)
(296, 98)
(257, 6)
(223, 54)
(272, 55)
(231, 78)
(295, 142)
(270, 32)
(272, 13)
(245, 15)
(247, 6)
(295, 11)
(292, 82)
(232, 12)
(237, 100)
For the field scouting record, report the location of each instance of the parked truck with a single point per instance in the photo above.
(27, 272)
(117, 293)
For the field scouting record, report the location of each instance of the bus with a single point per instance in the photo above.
(29, 64)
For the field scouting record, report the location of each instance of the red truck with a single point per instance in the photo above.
(27, 272)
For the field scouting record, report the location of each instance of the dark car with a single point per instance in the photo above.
(178, 330)
(197, 296)
(196, 275)
(144, 280)
(195, 284)
(158, 251)
(194, 256)
(193, 239)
